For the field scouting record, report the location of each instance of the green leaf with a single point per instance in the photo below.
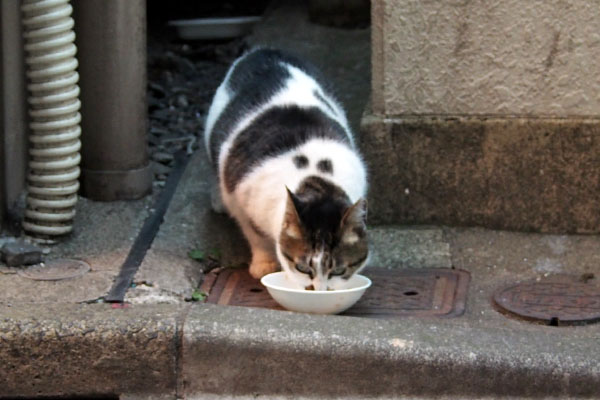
(215, 254)
(197, 255)
(198, 295)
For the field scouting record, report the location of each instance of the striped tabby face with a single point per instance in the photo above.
(323, 244)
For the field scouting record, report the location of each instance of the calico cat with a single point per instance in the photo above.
(288, 170)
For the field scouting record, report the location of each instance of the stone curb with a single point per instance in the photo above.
(89, 350)
(282, 354)
(205, 351)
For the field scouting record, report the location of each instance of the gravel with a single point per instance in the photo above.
(182, 79)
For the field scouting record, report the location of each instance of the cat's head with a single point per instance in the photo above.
(323, 241)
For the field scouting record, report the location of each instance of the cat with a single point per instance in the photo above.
(288, 170)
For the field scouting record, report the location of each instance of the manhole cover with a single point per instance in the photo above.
(56, 270)
(560, 300)
(395, 292)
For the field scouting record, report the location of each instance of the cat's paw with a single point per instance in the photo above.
(262, 268)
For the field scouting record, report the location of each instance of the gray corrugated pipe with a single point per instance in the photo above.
(54, 118)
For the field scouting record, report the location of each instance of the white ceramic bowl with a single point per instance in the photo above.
(214, 28)
(285, 292)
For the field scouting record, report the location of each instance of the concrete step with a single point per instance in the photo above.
(88, 350)
(500, 173)
(207, 351)
(243, 351)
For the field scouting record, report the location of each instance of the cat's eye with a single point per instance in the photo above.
(305, 269)
(337, 271)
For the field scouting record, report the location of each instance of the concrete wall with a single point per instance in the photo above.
(534, 57)
(13, 125)
(485, 114)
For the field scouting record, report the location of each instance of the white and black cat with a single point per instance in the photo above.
(288, 170)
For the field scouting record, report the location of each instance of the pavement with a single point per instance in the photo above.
(60, 338)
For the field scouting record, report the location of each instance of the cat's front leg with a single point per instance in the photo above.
(263, 263)
(264, 260)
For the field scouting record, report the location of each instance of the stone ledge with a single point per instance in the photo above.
(88, 350)
(235, 352)
(525, 174)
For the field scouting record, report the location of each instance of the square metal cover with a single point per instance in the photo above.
(395, 292)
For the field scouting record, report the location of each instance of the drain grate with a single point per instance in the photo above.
(560, 300)
(394, 293)
(56, 270)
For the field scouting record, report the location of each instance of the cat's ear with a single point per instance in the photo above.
(354, 222)
(292, 226)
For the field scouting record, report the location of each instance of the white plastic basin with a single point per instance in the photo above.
(214, 28)
(285, 292)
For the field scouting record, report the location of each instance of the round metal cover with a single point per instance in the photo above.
(56, 270)
(554, 302)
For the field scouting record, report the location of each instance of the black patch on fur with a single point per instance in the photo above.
(314, 187)
(253, 81)
(300, 161)
(263, 81)
(321, 205)
(265, 60)
(325, 166)
(276, 131)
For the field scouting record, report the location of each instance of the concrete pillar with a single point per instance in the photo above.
(111, 40)
(13, 118)
(485, 113)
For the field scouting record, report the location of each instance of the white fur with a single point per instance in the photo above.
(261, 195)
(298, 90)
(222, 97)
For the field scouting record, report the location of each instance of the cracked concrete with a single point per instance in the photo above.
(102, 236)
(168, 272)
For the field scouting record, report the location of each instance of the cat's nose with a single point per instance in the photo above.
(319, 285)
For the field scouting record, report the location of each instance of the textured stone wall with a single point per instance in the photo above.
(524, 174)
(485, 113)
(510, 57)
